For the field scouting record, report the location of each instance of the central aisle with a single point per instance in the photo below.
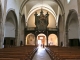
(41, 54)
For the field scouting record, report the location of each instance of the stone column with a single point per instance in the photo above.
(2, 23)
(36, 38)
(19, 30)
(64, 31)
(47, 38)
(79, 26)
(1, 41)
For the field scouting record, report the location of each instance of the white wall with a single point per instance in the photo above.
(68, 6)
(73, 30)
(9, 30)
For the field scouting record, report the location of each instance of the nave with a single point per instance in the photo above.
(30, 52)
(41, 54)
(18, 53)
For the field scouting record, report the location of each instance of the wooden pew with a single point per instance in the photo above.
(9, 59)
(64, 53)
(22, 53)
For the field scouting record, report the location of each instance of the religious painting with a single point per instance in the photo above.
(31, 39)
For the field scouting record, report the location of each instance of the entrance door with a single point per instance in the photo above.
(74, 42)
(9, 42)
(39, 43)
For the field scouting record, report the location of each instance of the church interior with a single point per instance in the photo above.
(39, 29)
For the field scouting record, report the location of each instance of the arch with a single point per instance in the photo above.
(51, 19)
(53, 40)
(60, 5)
(39, 7)
(11, 27)
(30, 39)
(14, 14)
(43, 39)
(57, 1)
(72, 32)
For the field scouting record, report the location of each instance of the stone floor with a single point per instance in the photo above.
(41, 54)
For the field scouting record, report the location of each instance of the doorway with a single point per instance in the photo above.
(41, 40)
(52, 40)
(39, 43)
(74, 42)
(30, 39)
(9, 42)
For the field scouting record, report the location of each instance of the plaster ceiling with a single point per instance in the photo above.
(51, 3)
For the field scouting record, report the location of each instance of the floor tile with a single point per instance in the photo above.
(41, 54)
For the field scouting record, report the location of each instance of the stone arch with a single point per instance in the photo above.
(43, 38)
(30, 39)
(23, 28)
(72, 25)
(62, 13)
(51, 19)
(61, 6)
(57, 1)
(53, 40)
(11, 29)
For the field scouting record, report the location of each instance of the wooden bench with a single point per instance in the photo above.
(18, 53)
(63, 53)
(9, 59)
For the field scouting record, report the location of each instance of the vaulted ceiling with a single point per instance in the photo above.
(49, 5)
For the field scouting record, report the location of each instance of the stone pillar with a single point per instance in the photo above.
(0, 27)
(64, 31)
(19, 30)
(1, 41)
(47, 38)
(67, 41)
(36, 38)
(2, 23)
(79, 25)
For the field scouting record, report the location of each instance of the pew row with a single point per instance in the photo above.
(63, 53)
(18, 53)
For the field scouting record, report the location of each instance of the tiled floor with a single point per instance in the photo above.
(41, 54)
